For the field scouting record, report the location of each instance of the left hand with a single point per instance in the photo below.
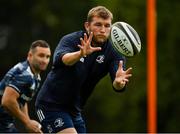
(122, 77)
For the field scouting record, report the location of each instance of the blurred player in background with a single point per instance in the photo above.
(81, 59)
(18, 87)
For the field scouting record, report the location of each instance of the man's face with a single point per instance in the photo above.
(100, 28)
(39, 58)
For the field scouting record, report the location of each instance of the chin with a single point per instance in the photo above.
(101, 42)
(43, 68)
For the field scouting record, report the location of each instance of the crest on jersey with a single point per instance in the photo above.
(100, 58)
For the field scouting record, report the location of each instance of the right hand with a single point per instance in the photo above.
(85, 47)
(33, 127)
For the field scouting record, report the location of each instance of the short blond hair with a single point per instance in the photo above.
(99, 11)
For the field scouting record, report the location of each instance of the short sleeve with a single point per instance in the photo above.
(20, 83)
(67, 44)
(18, 79)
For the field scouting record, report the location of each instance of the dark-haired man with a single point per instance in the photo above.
(18, 87)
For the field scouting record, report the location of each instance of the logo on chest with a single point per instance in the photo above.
(100, 59)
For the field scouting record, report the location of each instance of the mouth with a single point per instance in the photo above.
(43, 66)
(101, 36)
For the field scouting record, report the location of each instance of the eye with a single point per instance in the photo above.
(47, 56)
(107, 25)
(97, 24)
(41, 55)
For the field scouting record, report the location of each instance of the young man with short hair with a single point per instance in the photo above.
(81, 59)
(18, 87)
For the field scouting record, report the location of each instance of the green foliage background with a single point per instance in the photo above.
(23, 21)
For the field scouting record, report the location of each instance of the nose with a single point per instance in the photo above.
(103, 29)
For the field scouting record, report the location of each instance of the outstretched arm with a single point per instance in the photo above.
(85, 49)
(10, 103)
(122, 77)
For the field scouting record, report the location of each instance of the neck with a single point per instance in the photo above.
(34, 71)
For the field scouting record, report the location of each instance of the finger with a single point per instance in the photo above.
(81, 50)
(128, 70)
(126, 80)
(96, 49)
(41, 131)
(81, 47)
(90, 37)
(128, 75)
(82, 41)
(120, 65)
(39, 126)
(85, 37)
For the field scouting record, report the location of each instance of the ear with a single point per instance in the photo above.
(29, 55)
(86, 26)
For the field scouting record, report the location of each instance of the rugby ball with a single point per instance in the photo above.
(125, 40)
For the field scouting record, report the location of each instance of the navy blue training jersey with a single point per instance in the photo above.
(22, 80)
(68, 87)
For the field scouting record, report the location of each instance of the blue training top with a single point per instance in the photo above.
(68, 87)
(22, 80)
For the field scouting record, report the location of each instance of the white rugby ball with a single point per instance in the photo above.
(125, 39)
